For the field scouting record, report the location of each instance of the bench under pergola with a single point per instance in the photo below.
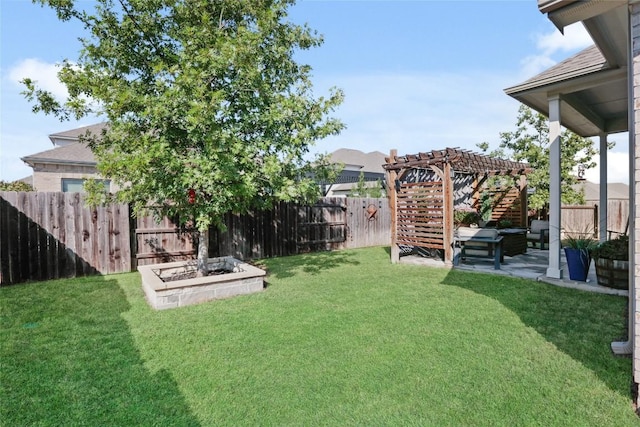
(426, 188)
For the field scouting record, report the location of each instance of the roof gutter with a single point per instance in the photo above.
(546, 6)
(33, 160)
(64, 138)
(566, 12)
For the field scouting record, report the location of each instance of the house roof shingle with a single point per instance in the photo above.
(615, 190)
(369, 162)
(587, 61)
(75, 153)
(74, 134)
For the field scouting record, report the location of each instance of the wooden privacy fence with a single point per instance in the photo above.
(579, 220)
(617, 217)
(584, 218)
(54, 235)
(287, 229)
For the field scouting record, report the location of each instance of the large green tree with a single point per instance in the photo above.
(208, 110)
(529, 143)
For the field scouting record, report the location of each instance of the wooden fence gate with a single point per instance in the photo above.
(288, 229)
(163, 241)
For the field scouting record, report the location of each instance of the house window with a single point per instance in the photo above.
(72, 185)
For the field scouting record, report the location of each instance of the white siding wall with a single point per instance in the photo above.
(635, 230)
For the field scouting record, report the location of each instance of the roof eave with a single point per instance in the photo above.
(546, 6)
(586, 77)
(566, 12)
(33, 160)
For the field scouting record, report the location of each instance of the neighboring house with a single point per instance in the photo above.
(66, 166)
(615, 191)
(595, 93)
(355, 162)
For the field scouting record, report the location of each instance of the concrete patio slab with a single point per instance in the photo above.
(530, 265)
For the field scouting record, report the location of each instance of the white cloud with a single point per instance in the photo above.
(549, 44)
(575, 37)
(43, 73)
(535, 64)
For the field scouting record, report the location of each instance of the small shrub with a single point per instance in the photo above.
(580, 242)
(505, 223)
(466, 217)
(617, 248)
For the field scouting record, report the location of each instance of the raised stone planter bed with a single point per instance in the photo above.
(162, 292)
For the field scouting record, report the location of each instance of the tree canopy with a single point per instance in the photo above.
(208, 110)
(529, 142)
(361, 189)
(15, 186)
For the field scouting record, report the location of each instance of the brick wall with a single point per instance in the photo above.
(48, 177)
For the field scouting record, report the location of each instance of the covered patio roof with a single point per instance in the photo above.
(593, 94)
(587, 93)
(592, 85)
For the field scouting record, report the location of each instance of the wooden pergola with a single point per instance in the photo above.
(426, 188)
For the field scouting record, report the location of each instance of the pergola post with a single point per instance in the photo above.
(602, 209)
(524, 207)
(447, 238)
(554, 269)
(392, 176)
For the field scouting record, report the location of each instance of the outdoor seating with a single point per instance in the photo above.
(538, 233)
(478, 242)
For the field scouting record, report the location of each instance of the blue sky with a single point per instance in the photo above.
(417, 75)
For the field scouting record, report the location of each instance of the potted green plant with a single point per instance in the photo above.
(612, 262)
(577, 250)
(465, 217)
(505, 223)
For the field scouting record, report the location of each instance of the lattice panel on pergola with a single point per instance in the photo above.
(507, 206)
(420, 214)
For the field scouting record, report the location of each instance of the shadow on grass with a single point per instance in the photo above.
(75, 362)
(580, 324)
(313, 263)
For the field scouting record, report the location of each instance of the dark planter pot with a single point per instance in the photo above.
(612, 273)
(578, 261)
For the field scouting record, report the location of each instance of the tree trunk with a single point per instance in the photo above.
(203, 252)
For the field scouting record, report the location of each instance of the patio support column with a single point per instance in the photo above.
(630, 346)
(602, 209)
(554, 270)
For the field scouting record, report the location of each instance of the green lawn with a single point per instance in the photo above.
(342, 338)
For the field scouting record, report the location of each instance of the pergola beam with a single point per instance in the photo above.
(460, 160)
